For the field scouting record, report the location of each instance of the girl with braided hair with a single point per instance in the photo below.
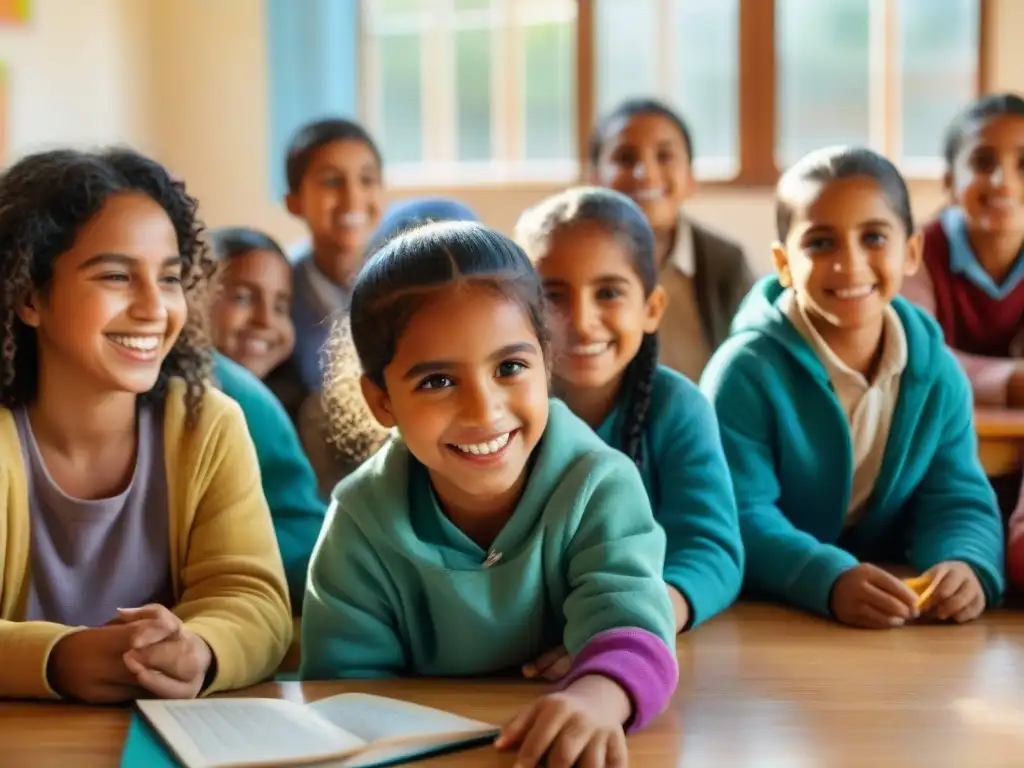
(594, 251)
(137, 555)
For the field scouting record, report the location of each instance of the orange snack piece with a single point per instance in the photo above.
(922, 586)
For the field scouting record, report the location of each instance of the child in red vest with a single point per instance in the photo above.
(972, 278)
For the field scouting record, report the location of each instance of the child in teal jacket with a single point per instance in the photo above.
(847, 423)
(496, 524)
(595, 254)
(288, 480)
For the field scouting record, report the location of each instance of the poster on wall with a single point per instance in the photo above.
(14, 12)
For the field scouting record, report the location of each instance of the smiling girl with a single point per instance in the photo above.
(595, 254)
(846, 420)
(137, 554)
(509, 527)
(644, 150)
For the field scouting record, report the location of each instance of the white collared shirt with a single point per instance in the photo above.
(868, 406)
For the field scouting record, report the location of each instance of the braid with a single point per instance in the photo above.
(638, 384)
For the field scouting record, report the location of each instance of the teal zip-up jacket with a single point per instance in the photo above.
(289, 482)
(788, 445)
(687, 480)
(396, 589)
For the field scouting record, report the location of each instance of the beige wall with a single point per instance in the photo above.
(98, 71)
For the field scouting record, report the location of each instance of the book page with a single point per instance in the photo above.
(227, 732)
(376, 718)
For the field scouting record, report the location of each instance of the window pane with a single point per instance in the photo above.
(401, 107)
(550, 71)
(683, 51)
(822, 53)
(626, 58)
(939, 45)
(706, 44)
(387, 7)
(473, 94)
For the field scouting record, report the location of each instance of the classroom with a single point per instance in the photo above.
(512, 382)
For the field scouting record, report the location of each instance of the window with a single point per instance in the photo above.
(468, 91)
(888, 74)
(762, 82)
(683, 51)
(471, 90)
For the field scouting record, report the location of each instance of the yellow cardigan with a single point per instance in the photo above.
(228, 579)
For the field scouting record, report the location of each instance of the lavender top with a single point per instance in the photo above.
(89, 557)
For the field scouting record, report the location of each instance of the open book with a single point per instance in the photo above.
(349, 730)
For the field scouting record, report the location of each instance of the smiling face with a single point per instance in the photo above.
(987, 178)
(340, 198)
(645, 157)
(252, 315)
(467, 388)
(115, 305)
(597, 302)
(846, 253)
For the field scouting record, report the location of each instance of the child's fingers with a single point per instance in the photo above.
(559, 669)
(543, 662)
(541, 735)
(869, 617)
(594, 755)
(898, 589)
(513, 733)
(616, 755)
(149, 632)
(170, 658)
(163, 686)
(569, 744)
(887, 603)
(972, 610)
(956, 602)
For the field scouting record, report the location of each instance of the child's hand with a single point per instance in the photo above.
(551, 665)
(866, 596)
(164, 657)
(87, 665)
(580, 726)
(956, 592)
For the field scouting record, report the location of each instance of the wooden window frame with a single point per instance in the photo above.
(756, 115)
(758, 126)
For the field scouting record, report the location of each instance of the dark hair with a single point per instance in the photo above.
(625, 111)
(396, 281)
(623, 219)
(980, 110)
(45, 200)
(313, 136)
(413, 213)
(832, 164)
(227, 243)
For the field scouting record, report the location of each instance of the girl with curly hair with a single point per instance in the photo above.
(136, 549)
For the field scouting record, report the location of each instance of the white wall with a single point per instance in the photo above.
(74, 75)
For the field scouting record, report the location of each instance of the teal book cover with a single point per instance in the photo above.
(143, 748)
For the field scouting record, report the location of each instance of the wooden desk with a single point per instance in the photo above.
(1000, 440)
(759, 686)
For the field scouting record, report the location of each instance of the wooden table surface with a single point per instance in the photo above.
(1000, 440)
(760, 687)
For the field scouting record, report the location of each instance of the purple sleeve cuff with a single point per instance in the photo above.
(637, 660)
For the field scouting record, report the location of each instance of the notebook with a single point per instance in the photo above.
(349, 730)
